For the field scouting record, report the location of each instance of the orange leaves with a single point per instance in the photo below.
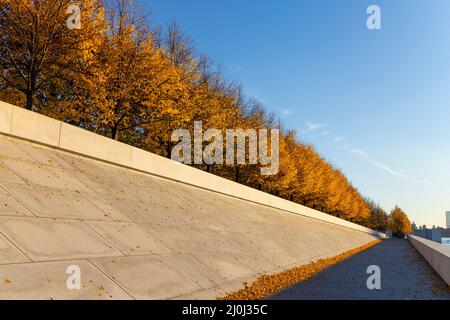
(130, 82)
(319, 185)
(399, 223)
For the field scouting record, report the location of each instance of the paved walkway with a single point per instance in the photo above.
(405, 275)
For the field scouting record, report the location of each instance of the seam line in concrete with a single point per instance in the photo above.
(104, 238)
(12, 117)
(59, 134)
(16, 246)
(2, 186)
(110, 278)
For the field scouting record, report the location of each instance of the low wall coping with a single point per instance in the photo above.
(436, 254)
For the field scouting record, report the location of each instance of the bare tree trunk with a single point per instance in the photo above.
(29, 105)
(237, 176)
(168, 148)
(114, 133)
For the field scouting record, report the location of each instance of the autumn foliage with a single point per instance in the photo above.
(120, 77)
(399, 222)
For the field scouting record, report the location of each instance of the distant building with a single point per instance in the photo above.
(445, 236)
(447, 219)
(438, 234)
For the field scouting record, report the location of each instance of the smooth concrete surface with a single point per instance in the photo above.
(198, 272)
(48, 239)
(56, 203)
(34, 126)
(93, 145)
(47, 281)
(129, 238)
(147, 277)
(7, 175)
(141, 235)
(6, 113)
(10, 206)
(436, 254)
(9, 253)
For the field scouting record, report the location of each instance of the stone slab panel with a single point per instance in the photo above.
(9, 206)
(146, 277)
(196, 270)
(9, 149)
(176, 238)
(183, 238)
(57, 203)
(9, 253)
(107, 207)
(47, 281)
(94, 145)
(129, 238)
(227, 266)
(256, 262)
(7, 175)
(35, 127)
(149, 213)
(44, 176)
(6, 112)
(44, 155)
(50, 239)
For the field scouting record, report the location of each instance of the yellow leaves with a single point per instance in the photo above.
(399, 223)
(129, 81)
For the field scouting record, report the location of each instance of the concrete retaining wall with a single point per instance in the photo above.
(22, 123)
(436, 254)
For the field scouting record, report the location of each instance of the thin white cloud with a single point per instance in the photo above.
(396, 173)
(287, 112)
(360, 153)
(313, 126)
(365, 155)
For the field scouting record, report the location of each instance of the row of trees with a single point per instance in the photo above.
(397, 221)
(119, 77)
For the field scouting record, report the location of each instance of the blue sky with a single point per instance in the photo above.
(374, 103)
